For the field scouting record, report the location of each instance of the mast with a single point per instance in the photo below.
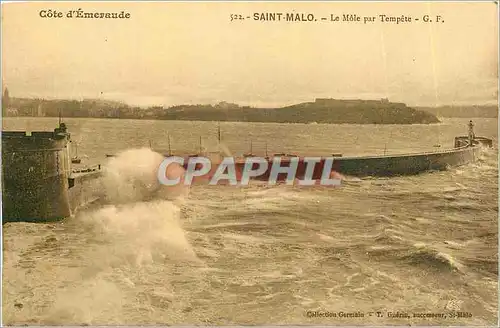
(266, 150)
(219, 140)
(218, 133)
(387, 141)
(169, 148)
(201, 146)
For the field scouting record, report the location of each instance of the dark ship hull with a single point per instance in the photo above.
(362, 166)
(408, 164)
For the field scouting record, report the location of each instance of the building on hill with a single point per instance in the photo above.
(226, 105)
(332, 101)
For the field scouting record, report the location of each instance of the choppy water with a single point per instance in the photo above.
(258, 254)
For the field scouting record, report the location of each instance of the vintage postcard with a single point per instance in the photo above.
(250, 163)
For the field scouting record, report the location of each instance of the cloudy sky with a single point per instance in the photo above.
(175, 53)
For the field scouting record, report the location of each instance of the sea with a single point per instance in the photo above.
(416, 250)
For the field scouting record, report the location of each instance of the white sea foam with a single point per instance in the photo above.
(133, 232)
(131, 176)
(139, 217)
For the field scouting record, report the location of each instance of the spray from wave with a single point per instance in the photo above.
(137, 227)
(141, 214)
(131, 176)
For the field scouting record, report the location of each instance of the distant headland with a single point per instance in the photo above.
(321, 110)
(486, 111)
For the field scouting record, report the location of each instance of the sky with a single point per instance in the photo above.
(191, 53)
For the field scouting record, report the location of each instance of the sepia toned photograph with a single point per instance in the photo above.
(247, 163)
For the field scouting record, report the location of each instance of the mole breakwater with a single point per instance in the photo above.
(85, 187)
(38, 183)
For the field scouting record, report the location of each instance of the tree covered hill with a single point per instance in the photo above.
(319, 111)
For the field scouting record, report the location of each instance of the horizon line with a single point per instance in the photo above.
(80, 99)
